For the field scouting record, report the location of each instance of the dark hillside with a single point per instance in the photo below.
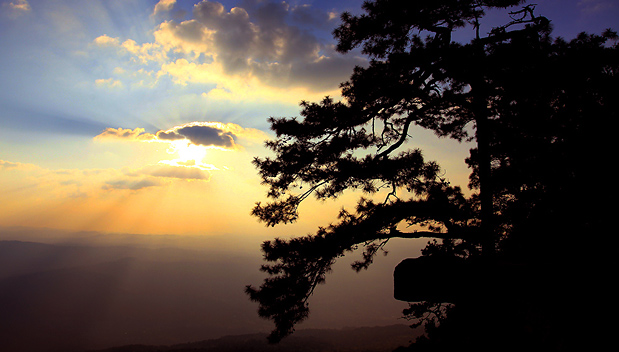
(369, 339)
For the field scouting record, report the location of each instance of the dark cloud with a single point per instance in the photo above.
(169, 136)
(271, 40)
(271, 15)
(234, 34)
(191, 31)
(208, 136)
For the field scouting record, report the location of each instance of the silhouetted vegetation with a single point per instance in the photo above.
(531, 237)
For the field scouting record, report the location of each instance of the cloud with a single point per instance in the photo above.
(267, 48)
(187, 37)
(105, 40)
(144, 53)
(241, 87)
(212, 134)
(164, 6)
(190, 144)
(133, 184)
(108, 83)
(264, 44)
(169, 171)
(9, 165)
(154, 176)
(19, 6)
(128, 134)
(199, 134)
(28, 180)
(140, 53)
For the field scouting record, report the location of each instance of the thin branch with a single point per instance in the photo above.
(401, 141)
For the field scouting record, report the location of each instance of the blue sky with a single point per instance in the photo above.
(85, 85)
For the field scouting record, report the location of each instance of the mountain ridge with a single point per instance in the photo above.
(358, 339)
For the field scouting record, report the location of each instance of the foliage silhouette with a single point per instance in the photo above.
(534, 105)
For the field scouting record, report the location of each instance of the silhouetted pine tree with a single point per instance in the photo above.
(540, 111)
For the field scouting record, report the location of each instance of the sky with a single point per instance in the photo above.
(143, 116)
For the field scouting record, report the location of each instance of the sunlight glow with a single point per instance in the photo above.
(187, 151)
(189, 155)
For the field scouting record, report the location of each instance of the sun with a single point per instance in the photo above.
(189, 152)
(189, 155)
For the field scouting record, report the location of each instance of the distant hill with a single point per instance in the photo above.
(75, 297)
(67, 298)
(367, 339)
